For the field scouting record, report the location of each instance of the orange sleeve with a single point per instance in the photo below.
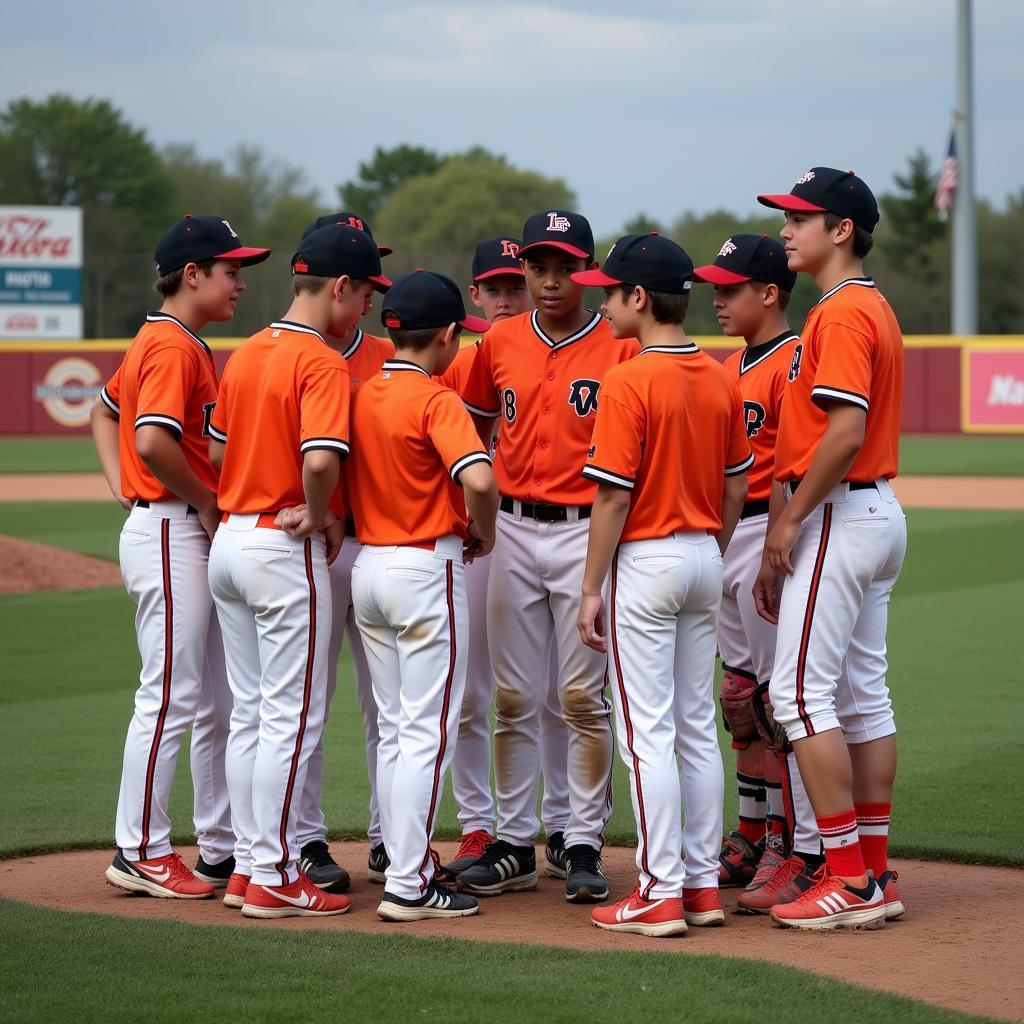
(452, 433)
(738, 458)
(218, 425)
(325, 392)
(111, 393)
(166, 379)
(843, 373)
(617, 444)
(480, 393)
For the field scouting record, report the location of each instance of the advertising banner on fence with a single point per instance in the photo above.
(40, 273)
(992, 388)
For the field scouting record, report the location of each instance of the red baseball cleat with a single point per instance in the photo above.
(738, 860)
(300, 899)
(790, 879)
(471, 849)
(702, 908)
(165, 877)
(894, 907)
(831, 903)
(657, 918)
(234, 894)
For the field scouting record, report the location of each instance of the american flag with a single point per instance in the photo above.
(948, 180)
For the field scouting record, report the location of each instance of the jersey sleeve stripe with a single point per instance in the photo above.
(840, 395)
(467, 460)
(109, 402)
(604, 476)
(217, 435)
(740, 467)
(333, 444)
(158, 420)
(477, 411)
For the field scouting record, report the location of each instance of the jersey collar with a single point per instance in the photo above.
(403, 364)
(758, 353)
(357, 340)
(156, 317)
(672, 350)
(864, 282)
(291, 325)
(596, 318)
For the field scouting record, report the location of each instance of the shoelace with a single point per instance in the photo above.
(823, 882)
(474, 844)
(786, 871)
(583, 858)
(319, 855)
(179, 872)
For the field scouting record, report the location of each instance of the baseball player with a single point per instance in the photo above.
(150, 428)
(670, 458)
(364, 353)
(279, 431)
(499, 289)
(752, 287)
(540, 373)
(837, 540)
(417, 446)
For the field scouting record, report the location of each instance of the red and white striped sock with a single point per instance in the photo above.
(842, 844)
(873, 828)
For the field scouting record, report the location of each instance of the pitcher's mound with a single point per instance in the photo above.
(29, 566)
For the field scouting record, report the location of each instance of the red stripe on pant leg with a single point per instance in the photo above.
(307, 687)
(788, 804)
(812, 598)
(443, 725)
(612, 623)
(165, 699)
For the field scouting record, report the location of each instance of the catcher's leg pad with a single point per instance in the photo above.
(773, 734)
(737, 707)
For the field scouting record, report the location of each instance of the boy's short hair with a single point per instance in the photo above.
(418, 338)
(169, 285)
(309, 284)
(863, 240)
(666, 307)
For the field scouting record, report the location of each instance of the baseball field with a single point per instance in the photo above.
(75, 948)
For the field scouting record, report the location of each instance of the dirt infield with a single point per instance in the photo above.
(951, 949)
(27, 566)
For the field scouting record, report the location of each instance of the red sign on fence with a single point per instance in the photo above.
(992, 388)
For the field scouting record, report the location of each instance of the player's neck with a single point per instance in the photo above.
(341, 344)
(663, 335)
(181, 309)
(842, 267)
(561, 328)
(771, 328)
(307, 311)
(424, 358)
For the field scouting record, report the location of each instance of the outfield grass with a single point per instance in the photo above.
(112, 968)
(920, 455)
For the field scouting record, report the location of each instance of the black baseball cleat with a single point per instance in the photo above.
(502, 868)
(377, 864)
(216, 874)
(317, 864)
(554, 856)
(585, 881)
(436, 901)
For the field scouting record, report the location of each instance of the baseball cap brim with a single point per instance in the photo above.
(500, 272)
(384, 250)
(718, 275)
(245, 254)
(573, 250)
(383, 283)
(596, 278)
(788, 201)
(475, 324)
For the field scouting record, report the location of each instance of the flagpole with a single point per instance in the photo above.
(965, 240)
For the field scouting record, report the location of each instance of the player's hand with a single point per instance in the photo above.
(477, 546)
(296, 522)
(778, 545)
(590, 622)
(209, 517)
(768, 592)
(289, 517)
(124, 502)
(335, 536)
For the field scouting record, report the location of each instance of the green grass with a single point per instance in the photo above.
(220, 973)
(70, 454)
(89, 527)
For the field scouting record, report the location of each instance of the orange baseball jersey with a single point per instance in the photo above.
(415, 438)
(546, 393)
(166, 379)
(457, 375)
(762, 372)
(283, 393)
(670, 429)
(850, 350)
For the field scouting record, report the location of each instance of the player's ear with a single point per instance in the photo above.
(474, 294)
(450, 335)
(340, 284)
(771, 294)
(190, 274)
(592, 265)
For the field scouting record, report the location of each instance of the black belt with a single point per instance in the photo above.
(754, 508)
(544, 513)
(350, 527)
(142, 503)
(855, 485)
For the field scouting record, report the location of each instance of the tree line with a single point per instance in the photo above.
(431, 208)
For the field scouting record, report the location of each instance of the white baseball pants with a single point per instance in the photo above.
(163, 554)
(830, 660)
(533, 597)
(274, 604)
(662, 612)
(410, 605)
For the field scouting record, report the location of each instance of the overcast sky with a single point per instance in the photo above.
(658, 106)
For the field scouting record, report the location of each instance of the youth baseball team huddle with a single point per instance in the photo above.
(647, 507)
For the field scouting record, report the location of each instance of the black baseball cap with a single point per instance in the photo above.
(495, 256)
(560, 229)
(337, 250)
(827, 190)
(353, 220)
(651, 261)
(425, 299)
(749, 258)
(194, 239)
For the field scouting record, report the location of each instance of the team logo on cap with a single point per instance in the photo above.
(728, 249)
(806, 177)
(234, 233)
(509, 248)
(612, 249)
(558, 223)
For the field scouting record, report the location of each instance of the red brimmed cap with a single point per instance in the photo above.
(195, 239)
(425, 299)
(338, 250)
(497, 256)
(746, 257)
(651, 261)
(559, 229)
(828, 190)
